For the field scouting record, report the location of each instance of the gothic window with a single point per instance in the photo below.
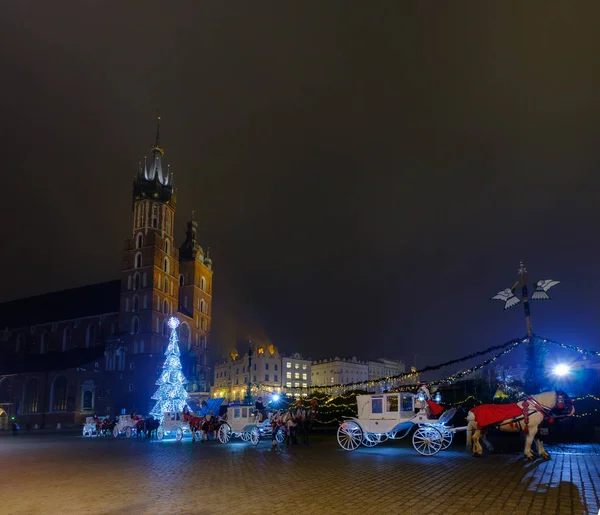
(167, 247)
(165, 329)
(203, 341)
(181, 281)
(154, 216)
(166, 290)
(129, 282)
(59, 394)
(145, 281)
(44, 343)
(66, 338)
(126, 305)
(145, 304)
(166, 265)
(185, 302)
(203, 283)
(135, 325)
(135, 303)
(168, 222)
(89, 335)
(30, 397)
(136, 281)
(139, 241)
(185, 336)
(138, 260)
(201, 306)
(165, 307)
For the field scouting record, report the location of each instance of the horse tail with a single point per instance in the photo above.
(470, 426)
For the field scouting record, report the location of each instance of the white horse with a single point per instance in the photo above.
(527, 417)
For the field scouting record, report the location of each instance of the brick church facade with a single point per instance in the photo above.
(99, 348)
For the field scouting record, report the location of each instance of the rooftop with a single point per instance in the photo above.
(93, 299)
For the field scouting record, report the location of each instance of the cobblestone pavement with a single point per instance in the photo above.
(71, 474)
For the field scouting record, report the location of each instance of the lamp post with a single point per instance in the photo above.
(248, 400)
(534, 365)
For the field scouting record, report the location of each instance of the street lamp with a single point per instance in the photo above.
(510, 300)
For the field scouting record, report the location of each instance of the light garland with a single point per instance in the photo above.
(571, 347)
(385, 381)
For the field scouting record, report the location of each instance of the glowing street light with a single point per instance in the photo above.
(276, 398)
(561, 370)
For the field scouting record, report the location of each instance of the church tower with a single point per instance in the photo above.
(195, 301)
(150, 271)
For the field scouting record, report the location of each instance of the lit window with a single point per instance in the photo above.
(304, 367)
(296, 366)
(296, 375)
(304, 385)
(288, 385)
(304, 376)
(297, 385)
(288, 375)
(288, 365)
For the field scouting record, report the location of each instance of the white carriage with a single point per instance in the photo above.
(126, 425)
(392, 415)
(245, 422)
(173, 422)
(89, 428)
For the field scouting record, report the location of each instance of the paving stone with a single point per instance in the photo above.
(72, 474)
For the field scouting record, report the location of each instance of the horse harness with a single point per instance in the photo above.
(537, 408)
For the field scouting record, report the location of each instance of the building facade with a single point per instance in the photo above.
(339, 371)
(383, 368)
(269, 374)
(99, 348)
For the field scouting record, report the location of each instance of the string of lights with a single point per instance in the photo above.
(385, 381)
(571, 347)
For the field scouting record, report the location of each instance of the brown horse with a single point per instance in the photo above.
(523, 416)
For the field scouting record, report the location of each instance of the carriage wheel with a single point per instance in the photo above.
(128, 432)
(427, 440)
(280, 435)
(87, 432)
(160, 433)
(255, 436)
(349, 435)
(245, 436)
(448, 437)
(224, 433)
(178, 434)
(115, 432)
(371, 439)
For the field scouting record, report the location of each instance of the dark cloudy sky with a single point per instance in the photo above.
(367, 174)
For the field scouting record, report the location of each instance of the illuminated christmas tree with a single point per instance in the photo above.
(171, 394)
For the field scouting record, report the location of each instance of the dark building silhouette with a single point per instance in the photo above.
(99, 348)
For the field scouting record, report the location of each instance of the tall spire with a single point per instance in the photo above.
(157, 145)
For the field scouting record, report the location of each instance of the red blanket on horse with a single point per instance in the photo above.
(488, 414)
(434, 408)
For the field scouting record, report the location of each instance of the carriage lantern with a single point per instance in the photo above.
(438, 397)
(421, 397)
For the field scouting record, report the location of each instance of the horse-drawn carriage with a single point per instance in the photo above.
(128, 425)
(93, 426)
(250, 425)
(392, 416)
(181, 423)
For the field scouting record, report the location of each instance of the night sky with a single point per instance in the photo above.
(367, 175)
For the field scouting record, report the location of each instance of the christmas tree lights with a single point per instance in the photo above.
(171, 394)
